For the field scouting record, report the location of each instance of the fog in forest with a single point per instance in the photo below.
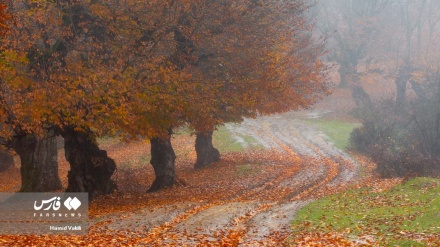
(387, 54)
(220, 122)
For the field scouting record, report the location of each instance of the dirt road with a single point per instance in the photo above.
(256, 215)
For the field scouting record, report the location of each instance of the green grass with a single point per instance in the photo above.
(184, 130)
(337, 131)
(224, 141)
(413, 207)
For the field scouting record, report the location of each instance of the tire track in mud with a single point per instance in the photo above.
(244, 224)
(258, 215)
(251, 208)
(165, 231)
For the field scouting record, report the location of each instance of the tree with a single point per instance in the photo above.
(77, 81)
(143, 45)
(139, 69)
(401, 133)
(39, 162)
(6, 160)
(61, 82)
(353, 28)
(412, 18)
(38, 156)
(270, 66)
(405, 141)
(94, 104)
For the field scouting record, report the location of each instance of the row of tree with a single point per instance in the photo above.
(84, 69)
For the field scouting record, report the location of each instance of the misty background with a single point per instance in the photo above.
(385, 53)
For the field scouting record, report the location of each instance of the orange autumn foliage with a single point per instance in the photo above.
(136, 68)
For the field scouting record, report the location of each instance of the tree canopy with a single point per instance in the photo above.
(138, 69)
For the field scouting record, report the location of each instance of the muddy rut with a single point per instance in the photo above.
(258, 215)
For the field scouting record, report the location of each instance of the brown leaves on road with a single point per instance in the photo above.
(258, 180)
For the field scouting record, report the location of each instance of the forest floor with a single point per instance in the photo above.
(270, 168)
(250, 197)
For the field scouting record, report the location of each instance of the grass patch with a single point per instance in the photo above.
(183, 130)
(224, 141)
(396, 217)
(337, 131)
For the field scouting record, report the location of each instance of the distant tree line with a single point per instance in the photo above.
(396, 41)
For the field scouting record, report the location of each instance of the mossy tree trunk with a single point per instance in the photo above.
(206, 153)
(39, 162)
(90, 167)
(163, 161)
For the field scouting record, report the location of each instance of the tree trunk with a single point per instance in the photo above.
(348, 75)
(39, 162)
(361, 97)
(343, 82)
(403, 76)
(418, 89)
(206, 153)
(400, 92)
(163, 161)
(6, 160)
(90, 167)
